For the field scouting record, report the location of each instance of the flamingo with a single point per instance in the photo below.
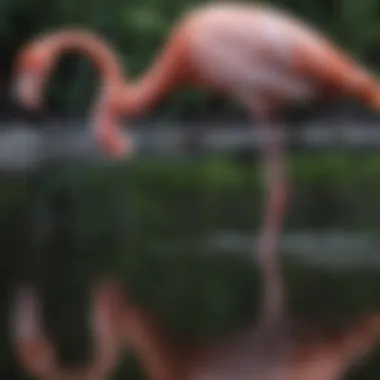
(258, 55)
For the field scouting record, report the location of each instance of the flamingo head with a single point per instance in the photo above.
(33, 66)
(108, 129)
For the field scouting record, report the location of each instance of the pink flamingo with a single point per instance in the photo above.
(258, 55)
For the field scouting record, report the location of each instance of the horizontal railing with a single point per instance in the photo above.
(24, 147)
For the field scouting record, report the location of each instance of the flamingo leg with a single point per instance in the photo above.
(273, 302)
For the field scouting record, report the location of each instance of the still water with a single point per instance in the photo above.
(331, 248)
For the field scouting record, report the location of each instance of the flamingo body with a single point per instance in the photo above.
(248, 52)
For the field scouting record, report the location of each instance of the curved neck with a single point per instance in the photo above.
(96, 49)
(170, 69)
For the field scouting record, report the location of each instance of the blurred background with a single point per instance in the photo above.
(177, 223)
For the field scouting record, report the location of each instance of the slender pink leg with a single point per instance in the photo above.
(273, 302)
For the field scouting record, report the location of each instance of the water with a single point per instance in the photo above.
(331, 248)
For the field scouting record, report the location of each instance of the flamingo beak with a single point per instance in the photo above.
(109, 136)
(116, 146)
